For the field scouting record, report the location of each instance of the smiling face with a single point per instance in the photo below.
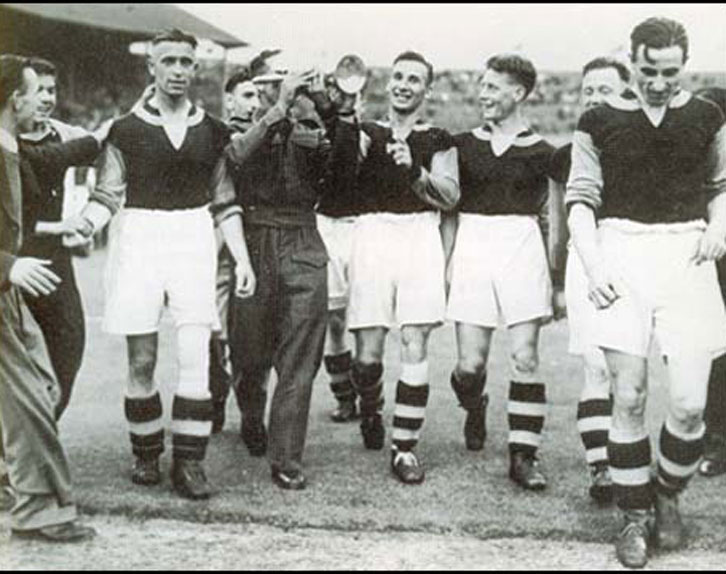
(47, 96)
(243, 102)
(657, 73)
(600, 84)
(499, 95)
(172, 64)
(408, 86)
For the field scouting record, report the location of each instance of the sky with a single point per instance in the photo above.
(556, 37)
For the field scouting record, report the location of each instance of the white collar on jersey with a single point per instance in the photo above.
(8, 141)
(524, 138)
(419, 126)
(149, 113)
(636, 102)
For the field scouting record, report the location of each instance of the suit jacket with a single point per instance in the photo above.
(48, 157)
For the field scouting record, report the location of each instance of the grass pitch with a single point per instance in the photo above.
(353, 489)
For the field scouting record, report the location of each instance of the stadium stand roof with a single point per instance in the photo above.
(144, 20)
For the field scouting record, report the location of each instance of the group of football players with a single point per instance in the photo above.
(272, 237)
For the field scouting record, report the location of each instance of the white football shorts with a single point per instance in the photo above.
(499, 265)
(159, 258)
(337, 235)
(396, 271)
(663, 292)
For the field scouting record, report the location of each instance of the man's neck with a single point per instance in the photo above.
(169, 105)
(401, 122)
(511, 125)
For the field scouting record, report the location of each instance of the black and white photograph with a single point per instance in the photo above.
(363, 286)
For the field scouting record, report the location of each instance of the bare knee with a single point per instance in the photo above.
(141, 369)
(414, 342)
(472, 364)
(369, 345)
(686, 417)
(524, 361)
(630, 401)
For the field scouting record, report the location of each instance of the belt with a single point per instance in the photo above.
(278, 217)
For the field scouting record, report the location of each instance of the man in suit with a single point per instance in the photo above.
(37, 466)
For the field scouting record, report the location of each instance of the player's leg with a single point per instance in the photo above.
(629, 454)
(192, 410)
(368, 381)
(714, 455)
(594, 411)
(189, 278)
(412, 394)
(468, 380)
(680, 444)
(143, 408)
(527, 406)
(338, 361)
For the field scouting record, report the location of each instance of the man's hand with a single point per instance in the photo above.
(291, 86)
(246, 280)
(400, 152)
(33, 276)
(77, 224)
(602, 290)
(73, 240)
(710, 247)
(559, 304)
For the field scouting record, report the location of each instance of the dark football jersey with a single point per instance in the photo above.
(513, 183)
(385, 186)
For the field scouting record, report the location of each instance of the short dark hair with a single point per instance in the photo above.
(240, 77)
(604, 63)
(175, 35)
(658, 33)
(12, 68)
(411, 56)
(43, 67)
(520, 69)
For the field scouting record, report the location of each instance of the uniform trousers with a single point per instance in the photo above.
(715, 413)
(60, 317)
(219, 377)
(37, 465)
(282, 326)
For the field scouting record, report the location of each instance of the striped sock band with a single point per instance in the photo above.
(678, 458)
(593, 423)
(629, 456)
(191, 425)
(412, 395)
(339, 368)
(145, 425)
(368, 384)
(526, 411)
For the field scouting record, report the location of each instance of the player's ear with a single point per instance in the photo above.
(228, 102)
(150, 65)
